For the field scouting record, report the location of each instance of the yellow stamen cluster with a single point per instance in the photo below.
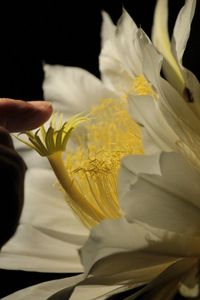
(89, 174)
(140, 87)
(93, 167)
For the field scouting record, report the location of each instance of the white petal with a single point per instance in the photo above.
(126, 41)
(72, 90)
(46, 210)
(169, 201)
(107, 28)
(119, 252)
(46, 206)
(145, 111)
(123, 246)
(31, 249)
(182, 29)
(94, 292)
(152, 60)
(44, 290)
(120, 56)
(160, 38)
(182, 120)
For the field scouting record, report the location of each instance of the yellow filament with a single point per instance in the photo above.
(93, 166)
(68, 185)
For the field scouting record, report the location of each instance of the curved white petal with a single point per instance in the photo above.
(72, 90)
(120, 56)
(145, 111)
(45, 214)
(107, 28)
(181, 30)
(169, 200)
(182, 120)
(119, 252)
(151, 59)
(31, 249)
(160, 38)
(124, 246)
(46, 206)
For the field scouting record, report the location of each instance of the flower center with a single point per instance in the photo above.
(93, 165)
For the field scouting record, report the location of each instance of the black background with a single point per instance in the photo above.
(68, 33)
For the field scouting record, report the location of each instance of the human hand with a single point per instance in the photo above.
(18, 115)
(15, 115)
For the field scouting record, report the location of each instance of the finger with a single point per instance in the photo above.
(18, 115)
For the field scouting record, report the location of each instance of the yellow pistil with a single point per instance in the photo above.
(89, 174)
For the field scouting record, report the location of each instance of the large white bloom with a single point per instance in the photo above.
(157, 238)
(169, 119)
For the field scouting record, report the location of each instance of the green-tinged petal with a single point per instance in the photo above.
(72, 90)
(39, 147)
(166, 285)
(168, 200)
(30, 145)
(160, 38)
(181, 30)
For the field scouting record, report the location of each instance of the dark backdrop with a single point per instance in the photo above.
(65, 32)
(62, 32)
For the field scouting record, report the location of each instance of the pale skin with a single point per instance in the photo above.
(15, 116)
(18, 115)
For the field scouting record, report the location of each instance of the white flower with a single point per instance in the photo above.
(45, 214)
(47, 220)
(170, 122)
(157, 240)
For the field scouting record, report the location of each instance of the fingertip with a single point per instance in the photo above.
(43, 107)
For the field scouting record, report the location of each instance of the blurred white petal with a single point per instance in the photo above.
(72, 90)
(48, 229)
